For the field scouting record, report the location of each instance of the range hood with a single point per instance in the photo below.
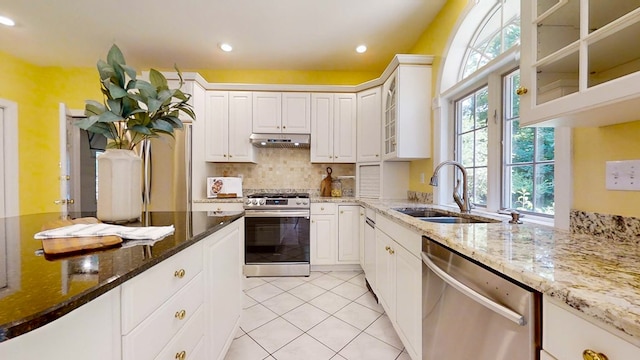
(280, 140)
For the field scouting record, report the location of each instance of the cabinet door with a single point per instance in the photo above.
(296, 113)
(91, 331)
(348, 234)
(385, 272)
(344, 128)
(223, 278)
(369, 125)
(240, 120)
(408, 314)
(322, 128)
(217, 126)
(389, 115)
(323, 240)
(267, 112)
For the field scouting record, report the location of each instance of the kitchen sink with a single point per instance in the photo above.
(453, 220)
(441, 217)
(422, 212)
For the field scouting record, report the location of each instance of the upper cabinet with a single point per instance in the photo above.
(333, 135)
(369, 125)
(406, 105)
(228, 116)
(275, 112)
(579, 65)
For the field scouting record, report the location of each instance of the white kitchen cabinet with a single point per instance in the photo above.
(296, 113)
(228, 126)
(369, 125)
(333, 128)
(348, 234)
(398, 281)
(218, 206)
(569, 75)
(385, 272)
(184, 344)
(276, 112)
(566, 334)
(406, 118)
(91, 331)
(324, 233)
(223, 252)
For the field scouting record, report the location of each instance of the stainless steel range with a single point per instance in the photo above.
(277, 234)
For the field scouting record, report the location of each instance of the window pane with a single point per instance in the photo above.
(482, 147)
(482, 107)
(521, 143)
(545, 145)
(521, 188)
(466, 149)
(480, 186)
(512, 105)
(466, 111)
(471, 64)
(544, 201)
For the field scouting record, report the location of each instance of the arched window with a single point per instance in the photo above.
(478, 118)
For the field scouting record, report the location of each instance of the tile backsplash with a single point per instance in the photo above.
(278, 168)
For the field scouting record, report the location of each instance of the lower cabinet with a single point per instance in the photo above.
(73, 336)
(335, 234)
(218, 206)
(223, 295)
(566, 335)
(398, 281)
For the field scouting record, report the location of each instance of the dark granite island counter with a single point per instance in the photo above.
(36, 290)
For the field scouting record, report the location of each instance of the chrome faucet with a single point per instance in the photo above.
(463, 204)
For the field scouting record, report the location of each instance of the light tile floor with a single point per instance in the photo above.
(328, 315)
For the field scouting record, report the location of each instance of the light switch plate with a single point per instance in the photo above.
(623, 175)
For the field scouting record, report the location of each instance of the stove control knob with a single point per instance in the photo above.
(298, 202)
(248, 202)
(305, 202)
(263, 201)
(254, 201)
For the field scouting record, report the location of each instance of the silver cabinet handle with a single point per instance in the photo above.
(472, 294)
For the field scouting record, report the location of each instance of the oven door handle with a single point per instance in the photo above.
(472, 294)
(277, 213)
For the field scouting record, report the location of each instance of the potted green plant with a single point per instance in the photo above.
(133, 110)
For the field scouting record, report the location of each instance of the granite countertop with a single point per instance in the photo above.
(588, 273)
(35, 290)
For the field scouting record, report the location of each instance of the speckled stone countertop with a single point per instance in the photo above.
(36, 290)
(594, 276)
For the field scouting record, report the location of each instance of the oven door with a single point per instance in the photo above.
(277, 243)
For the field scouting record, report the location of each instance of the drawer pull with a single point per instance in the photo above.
(592, 355)
(181, 355)
(387, 248)
(181, 314)
(391, 252)
(179, 273)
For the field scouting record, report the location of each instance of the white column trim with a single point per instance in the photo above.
(563, 177)
(11, 170)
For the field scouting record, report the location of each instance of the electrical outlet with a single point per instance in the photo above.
(623, 175)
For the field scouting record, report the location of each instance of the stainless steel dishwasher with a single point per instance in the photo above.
(471, 312)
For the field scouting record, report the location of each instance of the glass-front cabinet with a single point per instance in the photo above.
(406, 117)
(580, 62)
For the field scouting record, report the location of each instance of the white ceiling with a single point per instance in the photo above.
(265, 34)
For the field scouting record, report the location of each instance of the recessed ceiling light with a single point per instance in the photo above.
(226, 47)
(6, 21)
(360, 49)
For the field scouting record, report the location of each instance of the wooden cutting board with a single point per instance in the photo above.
(58, 246)
(325, 185)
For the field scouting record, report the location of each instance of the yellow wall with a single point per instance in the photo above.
(433, 42)
(592, 147)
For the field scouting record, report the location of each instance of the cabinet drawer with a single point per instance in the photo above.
(566, 335)
(230, 206)
(410, 240)
(323, 209)
(146, 292)
(147, 339)
(187, 340)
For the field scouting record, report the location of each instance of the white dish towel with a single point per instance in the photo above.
(101, 229)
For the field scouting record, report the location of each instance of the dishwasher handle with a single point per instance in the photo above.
(472, 294)
(370, 222)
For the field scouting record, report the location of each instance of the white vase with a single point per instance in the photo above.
(119, 186)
